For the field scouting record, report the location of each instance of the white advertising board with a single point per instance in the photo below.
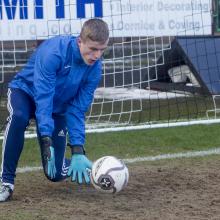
(21, 20)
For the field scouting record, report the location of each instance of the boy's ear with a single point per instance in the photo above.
(79, 41)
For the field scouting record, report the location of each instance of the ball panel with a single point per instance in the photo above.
(99, 187)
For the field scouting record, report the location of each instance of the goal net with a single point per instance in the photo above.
(161, 67)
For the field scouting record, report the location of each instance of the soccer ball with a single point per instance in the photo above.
(109, 174)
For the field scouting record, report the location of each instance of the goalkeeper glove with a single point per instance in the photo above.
(48, 157)
(79, 165)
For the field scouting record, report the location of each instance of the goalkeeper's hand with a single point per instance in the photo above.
(48, 157)
(79, 165)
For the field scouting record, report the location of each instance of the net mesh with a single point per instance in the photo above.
(144, 80)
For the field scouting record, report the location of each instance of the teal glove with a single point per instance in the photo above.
(51, 168)
(79, 167)
(48, 157)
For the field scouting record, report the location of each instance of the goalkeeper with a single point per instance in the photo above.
(56, 87)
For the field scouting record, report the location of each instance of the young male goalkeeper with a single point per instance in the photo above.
(56, 87)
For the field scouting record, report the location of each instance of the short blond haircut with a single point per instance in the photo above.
(96, 30)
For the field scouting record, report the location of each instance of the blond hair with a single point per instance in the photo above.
(96, 30)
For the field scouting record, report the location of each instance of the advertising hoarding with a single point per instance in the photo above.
(22, 19)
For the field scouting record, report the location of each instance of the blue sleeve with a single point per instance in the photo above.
(75, 116)
(46, 66)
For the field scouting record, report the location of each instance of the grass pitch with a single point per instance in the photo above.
(176, 189)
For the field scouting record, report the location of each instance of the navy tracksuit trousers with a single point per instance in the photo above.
(21, 109)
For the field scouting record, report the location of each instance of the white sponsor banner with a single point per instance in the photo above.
(125, 17)
(167, 17)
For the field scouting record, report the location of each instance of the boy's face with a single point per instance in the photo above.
(91, 50)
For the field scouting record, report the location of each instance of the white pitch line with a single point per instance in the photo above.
(28, 169)
(189, 154)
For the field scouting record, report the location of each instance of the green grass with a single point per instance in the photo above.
(131, 144)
